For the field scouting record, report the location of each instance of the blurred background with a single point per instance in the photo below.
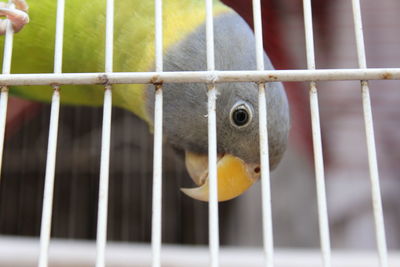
(293, 187)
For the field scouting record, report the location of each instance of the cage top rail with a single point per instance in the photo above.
(199, 77)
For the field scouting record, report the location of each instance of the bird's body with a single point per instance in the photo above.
(84, 45)
(185, 105)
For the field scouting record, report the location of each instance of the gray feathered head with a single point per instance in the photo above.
(185, 110)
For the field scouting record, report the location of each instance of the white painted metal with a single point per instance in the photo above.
(317, 143)
(309, 36)
(201, 76)
(8, 43)
(158, 134)
(105, 142)
(158, 36)
(369, 131)
(59, 37)
(264, 153)
(157, 179)
(210, 36)
(109, 36)
(265, 179)
(320, 179)
(212, 174)
(212, 144)
(374, 176)
(104, 175)
(120, 254)
(359, 34)
(3, 117)
(45, 227)
(258, 34)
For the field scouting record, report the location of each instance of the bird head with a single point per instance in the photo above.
(185, 110)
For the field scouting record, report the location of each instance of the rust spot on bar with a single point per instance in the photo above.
(387, 76)
(156, 80)
(158, 86)
(158, 83)
(213, 78)
(55, 85)
(103, 79)
(210, 86)
(272, 77)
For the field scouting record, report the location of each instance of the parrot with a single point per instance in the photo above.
(184, 104)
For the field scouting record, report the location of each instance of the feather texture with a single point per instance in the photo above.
(84, 49)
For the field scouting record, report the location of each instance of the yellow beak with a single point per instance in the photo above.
(234, 176)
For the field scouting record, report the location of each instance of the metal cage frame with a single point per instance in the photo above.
(211, 77)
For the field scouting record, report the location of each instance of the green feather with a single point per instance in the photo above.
(84, 45)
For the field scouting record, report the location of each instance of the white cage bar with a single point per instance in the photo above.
(105, 142)
(213, 224)
(369, 132)
(45, 230)
(264, 153)
(120, 254)
(317, 142)
(8, 45)
(158, 135)
(298, 75)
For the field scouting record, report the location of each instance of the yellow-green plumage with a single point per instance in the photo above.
(84, 49)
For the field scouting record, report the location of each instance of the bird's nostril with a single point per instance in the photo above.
(257, 169)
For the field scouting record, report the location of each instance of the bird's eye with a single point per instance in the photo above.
(241, 115)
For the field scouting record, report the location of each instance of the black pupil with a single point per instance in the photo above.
(240, 117)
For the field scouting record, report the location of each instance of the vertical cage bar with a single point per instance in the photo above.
(8, 44)
(45, 230)
(104, 175)
(105, 142)
(210, 36)
(109, 36)
(317, 143)
(359, 35)
(158, 35)
(264, 153)
(320, 178)
(59, 36)
(212, 170)
(258, 34)
(265, 179)
(212, 143)
(157, 157)
(371, 148)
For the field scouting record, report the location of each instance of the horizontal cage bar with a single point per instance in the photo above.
(200, 76)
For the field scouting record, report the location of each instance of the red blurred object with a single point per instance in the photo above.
(18, 111)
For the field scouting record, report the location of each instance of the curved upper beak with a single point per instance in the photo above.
(234, 176)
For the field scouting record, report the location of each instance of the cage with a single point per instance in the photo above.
(83, 220)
